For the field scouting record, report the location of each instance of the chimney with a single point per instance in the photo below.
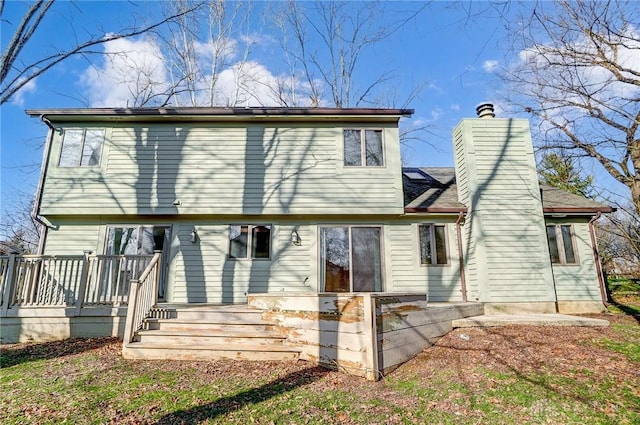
(485, 110)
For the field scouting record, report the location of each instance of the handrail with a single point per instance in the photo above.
(68, 280)
(143, 296)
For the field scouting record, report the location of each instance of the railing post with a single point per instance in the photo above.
(131, 313)
(84, 278)
(9, 285)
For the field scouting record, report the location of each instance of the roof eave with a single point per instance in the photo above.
(199, 113)
(436, 210)
(578, 210)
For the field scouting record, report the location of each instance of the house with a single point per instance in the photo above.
(295, 202)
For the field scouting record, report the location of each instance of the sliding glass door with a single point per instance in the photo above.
(351, 259)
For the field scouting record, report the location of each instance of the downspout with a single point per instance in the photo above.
(43, 170)
(596, 257)
(463, 282)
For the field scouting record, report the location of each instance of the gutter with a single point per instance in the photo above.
(43, 171)
(463, 280)
(596, 257)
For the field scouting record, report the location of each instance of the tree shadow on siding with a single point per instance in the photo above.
(225, 405)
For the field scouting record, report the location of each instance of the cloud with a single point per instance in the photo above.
(138, 73)
(131, 73)
(490, 65)
(29, 87)
(455, 107)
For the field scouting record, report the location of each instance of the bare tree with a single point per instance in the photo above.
(619, 242)
(578, 74)
(19, 232)
(17, 69)
(324, 43)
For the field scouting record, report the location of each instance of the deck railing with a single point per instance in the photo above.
(143, 296)
(67, 281)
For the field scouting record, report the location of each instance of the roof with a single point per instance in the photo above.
(433, 189)
(217, 114)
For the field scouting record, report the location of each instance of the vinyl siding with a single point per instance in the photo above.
(578, 282)
(507, 259)
(72, 238)
(406, 274)
(225, 169)
(203, 273)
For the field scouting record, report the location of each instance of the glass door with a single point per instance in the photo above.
(350, 259)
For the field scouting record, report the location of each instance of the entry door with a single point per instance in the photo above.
(142, 240)
(350, 259)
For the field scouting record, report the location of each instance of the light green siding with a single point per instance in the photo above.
(578, 282)
(225, 169)
(406, 274)
(203, 273)
(73, 237)
(507, 258)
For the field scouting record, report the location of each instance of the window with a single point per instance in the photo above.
(561, 244)
(433, 244)
(81, 147)
(248, 241)
(363, 148)
(351, 259)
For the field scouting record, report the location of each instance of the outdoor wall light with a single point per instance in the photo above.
(295, 238)
(194, 235)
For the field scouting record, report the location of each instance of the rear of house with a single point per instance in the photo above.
(312, 201)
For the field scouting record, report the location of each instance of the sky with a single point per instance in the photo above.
(451, 49)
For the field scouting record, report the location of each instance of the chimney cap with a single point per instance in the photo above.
(485, 110)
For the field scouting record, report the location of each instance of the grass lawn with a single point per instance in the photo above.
(507, 375)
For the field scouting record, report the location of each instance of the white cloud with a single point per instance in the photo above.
(455, 107)
(131, 72)
(490, 65)
(134, 71)
(29, 87)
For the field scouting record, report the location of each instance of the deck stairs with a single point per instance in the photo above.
(207, 332)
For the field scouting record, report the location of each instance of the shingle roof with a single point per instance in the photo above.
(433, 189)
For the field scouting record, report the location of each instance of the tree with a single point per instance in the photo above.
(19, 232)
(619, 242)
(324, 43)
(559, 171)
(578, 75)
(17, 69)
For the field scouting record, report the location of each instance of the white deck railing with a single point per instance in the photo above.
(143, 296)
(67, 281)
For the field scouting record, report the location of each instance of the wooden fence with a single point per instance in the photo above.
(68, 281)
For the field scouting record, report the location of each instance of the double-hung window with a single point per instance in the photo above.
(561, 244)
(249, 241)
(433, 244)
(363, 148)
(81, 147)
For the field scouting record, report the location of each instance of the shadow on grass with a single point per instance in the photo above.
(224, 405)
(24, 353)
(629, 305)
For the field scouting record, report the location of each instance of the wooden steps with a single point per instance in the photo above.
(200, 332)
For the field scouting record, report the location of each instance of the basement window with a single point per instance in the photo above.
(81, 147)
(561, 240)
(250, 241)
(363, 148)
(433, 245)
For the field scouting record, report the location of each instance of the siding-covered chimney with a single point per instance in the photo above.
(508, 264)
(485, 110)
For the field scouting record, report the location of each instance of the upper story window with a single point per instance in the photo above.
(363, 148)
(561, 244)
(433, 244)
(81, 147)
(248, 241)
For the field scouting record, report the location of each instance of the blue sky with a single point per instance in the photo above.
(443, 49)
